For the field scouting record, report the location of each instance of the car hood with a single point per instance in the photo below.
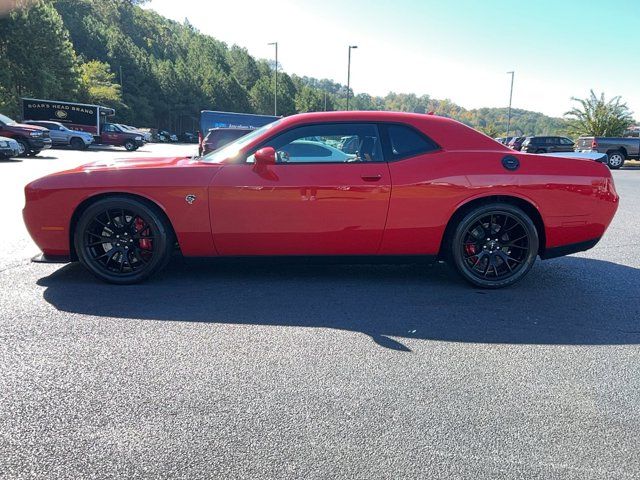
(26, 126)
(138, 163)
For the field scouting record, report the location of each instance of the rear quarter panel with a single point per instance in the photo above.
(575, 198)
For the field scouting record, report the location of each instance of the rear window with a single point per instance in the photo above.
(405, 142)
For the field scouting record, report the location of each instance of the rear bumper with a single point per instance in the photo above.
(563, 250)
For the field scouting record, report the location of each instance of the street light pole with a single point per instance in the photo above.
(275, 75)
(349, 74)
(510, 98)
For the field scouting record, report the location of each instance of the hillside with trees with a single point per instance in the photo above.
(160, 73)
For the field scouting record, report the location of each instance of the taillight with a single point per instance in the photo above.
(594, 144)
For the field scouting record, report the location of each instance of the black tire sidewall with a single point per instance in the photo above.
(164, 241)
(25, 145)
(456, 240)
(77, 143)
(130, 146)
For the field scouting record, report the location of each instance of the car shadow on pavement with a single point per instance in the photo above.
(566, 301)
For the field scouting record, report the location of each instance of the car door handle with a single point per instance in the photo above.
(371, 178)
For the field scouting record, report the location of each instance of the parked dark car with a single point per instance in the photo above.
(218, 137)
(547, 144)
(63, 136)
(8, 148)
(618, 149)
(188, 137)
(31, 138)
(516, 143)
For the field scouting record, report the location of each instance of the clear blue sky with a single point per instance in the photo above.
(448, 49)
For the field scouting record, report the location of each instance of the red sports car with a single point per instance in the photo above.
(333, 183)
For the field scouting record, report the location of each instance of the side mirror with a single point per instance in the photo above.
(265, 156)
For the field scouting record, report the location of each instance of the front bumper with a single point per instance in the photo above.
(39, 143)
(9, 151)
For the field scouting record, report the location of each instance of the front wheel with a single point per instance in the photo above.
(23, 147)
(123, 240)
(130, 145)
(494, 245)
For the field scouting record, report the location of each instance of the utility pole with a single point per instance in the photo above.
(275, 77)
(510, 98)
(349, 74)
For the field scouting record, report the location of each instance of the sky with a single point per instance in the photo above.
(456, 49)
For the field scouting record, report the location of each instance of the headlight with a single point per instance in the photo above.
(36, 134)
(138, 138)
(4, 144)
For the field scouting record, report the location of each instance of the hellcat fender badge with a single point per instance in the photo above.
(190, 198)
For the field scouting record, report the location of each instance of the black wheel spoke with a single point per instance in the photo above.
(495, 245)
(121, 231)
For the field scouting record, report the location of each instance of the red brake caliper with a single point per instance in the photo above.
(144, 242)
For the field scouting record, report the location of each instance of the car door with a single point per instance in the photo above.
(58, 135)
(304, 205)
(110, 135)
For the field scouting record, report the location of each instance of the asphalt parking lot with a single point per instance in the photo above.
(255, 370)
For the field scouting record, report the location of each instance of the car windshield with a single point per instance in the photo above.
(232, 149)
(6, 120)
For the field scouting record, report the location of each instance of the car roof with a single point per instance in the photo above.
(446, 132)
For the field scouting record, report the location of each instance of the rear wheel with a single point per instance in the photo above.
(122, 240)
(615, 159)
(77, 143)
(494, 245)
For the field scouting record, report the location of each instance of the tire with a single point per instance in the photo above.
(77, 144)
(33, 153)
(23, 147)
(122, 240)
(130, 146)
(540, 150)
(615, 159)
(509, 256)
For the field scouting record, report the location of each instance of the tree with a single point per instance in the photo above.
(37, 58)
(309, 100)
(98, 84)
(595, 116)
(491, 130)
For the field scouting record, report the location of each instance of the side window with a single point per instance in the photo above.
(327, 143)
(405, 142)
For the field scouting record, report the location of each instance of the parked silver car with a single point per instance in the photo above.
(8, 148)
(63, 136)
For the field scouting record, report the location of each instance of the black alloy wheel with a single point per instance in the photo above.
(122, 240)
(495, 245)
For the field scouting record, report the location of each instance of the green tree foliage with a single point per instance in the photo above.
(160, 73)
(598, 117)
(36, 56)
(98, 84)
